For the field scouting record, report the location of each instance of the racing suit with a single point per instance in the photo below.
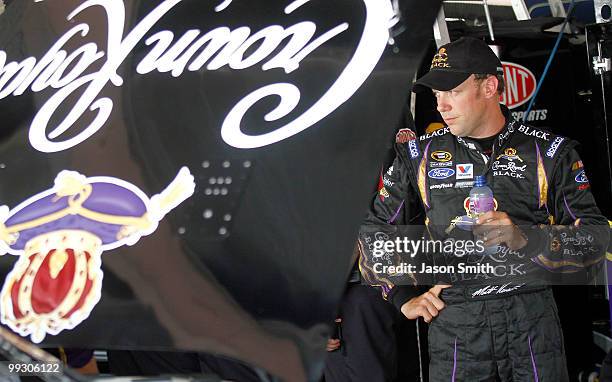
(501, 324)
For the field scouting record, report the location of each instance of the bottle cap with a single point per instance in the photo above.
(480, 181)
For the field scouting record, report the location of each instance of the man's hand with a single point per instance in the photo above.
(333, 344)
(495, 227)
(427, 305)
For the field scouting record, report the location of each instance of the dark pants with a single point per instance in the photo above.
(606, 368)
(515, 338)
(374, 337)
(575, 312)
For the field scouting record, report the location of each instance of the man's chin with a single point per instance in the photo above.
(456, 131)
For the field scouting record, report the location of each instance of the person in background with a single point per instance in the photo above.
(373, 341)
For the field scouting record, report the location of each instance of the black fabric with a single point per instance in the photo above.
(399, 296)
(577, 313)
(373, 334)
(151, 363)
(74, 358)
(486, 144)
(519, 29)
(606, 368)
(456, 61)
(516, 338)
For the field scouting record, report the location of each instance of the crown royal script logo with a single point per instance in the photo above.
(68, 73)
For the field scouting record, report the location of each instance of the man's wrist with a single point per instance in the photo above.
(399, 295)
(536, 240)
(520, 239)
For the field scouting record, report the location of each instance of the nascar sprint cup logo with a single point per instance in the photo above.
(86, 70)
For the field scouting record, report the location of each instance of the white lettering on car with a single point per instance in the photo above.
(191, 51)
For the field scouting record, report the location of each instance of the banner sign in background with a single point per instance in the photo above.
(192, 174)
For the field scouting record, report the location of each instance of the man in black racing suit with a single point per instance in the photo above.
(503, 324)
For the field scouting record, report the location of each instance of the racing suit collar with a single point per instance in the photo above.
(502, 136)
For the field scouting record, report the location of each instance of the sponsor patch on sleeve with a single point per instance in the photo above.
(554, 146)
(582, 180)
(383, 193)
(581, 177)
(576, 165)
(413, 149)
(405, 135)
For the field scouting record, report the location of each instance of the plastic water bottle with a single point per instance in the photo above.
(481, 197)
(481, 201)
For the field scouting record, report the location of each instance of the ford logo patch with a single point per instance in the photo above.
(581, 177)
(441, 173)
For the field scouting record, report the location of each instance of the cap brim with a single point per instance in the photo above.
(440, 80)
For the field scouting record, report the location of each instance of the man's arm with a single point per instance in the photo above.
(576, 238)
(397, 203)
(580, 233)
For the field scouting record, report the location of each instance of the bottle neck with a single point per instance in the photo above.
(480, 182)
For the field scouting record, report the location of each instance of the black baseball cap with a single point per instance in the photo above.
(456, 61)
